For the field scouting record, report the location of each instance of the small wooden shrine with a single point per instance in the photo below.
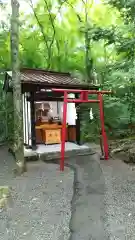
(43, 107)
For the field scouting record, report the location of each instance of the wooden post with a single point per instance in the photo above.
(63, 132)
(78, 125)
(104, 137)
(33, 131)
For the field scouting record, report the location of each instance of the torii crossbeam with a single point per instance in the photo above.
(84, 98)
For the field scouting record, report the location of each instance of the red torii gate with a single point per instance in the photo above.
(83, 99)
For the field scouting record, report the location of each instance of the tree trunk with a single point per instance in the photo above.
(88, 58)
(17, 96)
(10, 117)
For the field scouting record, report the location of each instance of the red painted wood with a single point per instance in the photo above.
(80, 91)
(63, 132)
(104, 137)
(83, 98)
(82, 101)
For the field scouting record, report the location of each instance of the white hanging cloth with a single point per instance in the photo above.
(91, 114)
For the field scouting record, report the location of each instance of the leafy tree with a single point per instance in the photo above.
(93, 41)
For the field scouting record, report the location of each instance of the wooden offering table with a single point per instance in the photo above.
(48, 133)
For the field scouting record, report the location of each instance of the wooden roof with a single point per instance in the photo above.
(50, 79)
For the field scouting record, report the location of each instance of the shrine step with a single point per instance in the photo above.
(52, 152)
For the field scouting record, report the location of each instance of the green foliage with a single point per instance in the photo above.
(95, 42)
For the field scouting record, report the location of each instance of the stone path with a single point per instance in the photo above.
(103, 206)
(88, 200)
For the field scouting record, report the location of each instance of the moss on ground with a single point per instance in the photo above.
(4, 194)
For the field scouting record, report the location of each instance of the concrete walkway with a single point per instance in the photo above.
(88, 201)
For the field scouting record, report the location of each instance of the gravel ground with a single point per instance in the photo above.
(40, 207)
(119, 200)
(103, 203)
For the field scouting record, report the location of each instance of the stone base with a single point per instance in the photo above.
(53, 152)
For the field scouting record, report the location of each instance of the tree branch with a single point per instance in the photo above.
(42, 31)
(53, 26)
(52, 23)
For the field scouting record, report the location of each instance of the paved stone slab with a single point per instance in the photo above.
(88, 201)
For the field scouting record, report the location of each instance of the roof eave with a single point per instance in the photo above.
(66, 86)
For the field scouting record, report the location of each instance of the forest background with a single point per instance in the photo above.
(93, 40)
